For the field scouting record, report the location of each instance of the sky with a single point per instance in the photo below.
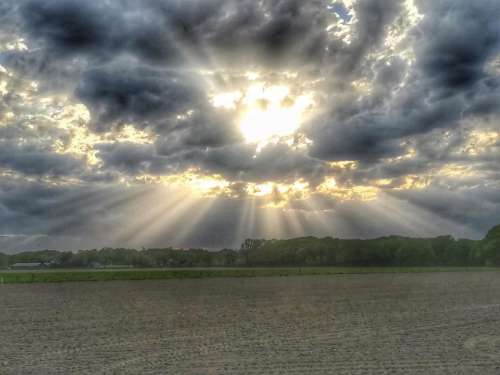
(199, 123)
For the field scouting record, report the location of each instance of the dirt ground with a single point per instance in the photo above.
(442, 323)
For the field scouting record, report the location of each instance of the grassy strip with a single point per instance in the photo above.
(57, 276)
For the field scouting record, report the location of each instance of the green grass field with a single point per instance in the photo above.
(57, 276)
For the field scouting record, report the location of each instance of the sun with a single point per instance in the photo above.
(271, 111)
(266, 112)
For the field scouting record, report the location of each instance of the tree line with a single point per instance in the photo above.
(305, 251)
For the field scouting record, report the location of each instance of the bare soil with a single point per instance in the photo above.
(441, 323)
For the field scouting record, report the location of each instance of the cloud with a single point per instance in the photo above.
(167, 31)
(447, 84)
(141, 96)
(96, 30)
(475, 207)
(273, 163)
(33, 160)
(465, 35)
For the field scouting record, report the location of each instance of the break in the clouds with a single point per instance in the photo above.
(202, 122)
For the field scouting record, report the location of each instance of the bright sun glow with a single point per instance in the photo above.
(266, 112)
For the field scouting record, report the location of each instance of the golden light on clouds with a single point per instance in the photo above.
(265, 111)
(456, 171)
(279, 195)
(480, 142)
(16, 45)
(195, 181)
(270, 194)
(74, 119)
(410, 154)
(344, 165)
(331, 188)
(414, 182)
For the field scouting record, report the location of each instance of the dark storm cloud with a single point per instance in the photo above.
(203, 127)
(32, 160)
(475, 207)
(133, 159)
(69, 24)
(45, 68)
(39, 208)
(447, 84)
(262, 31)
(141, 96)
(432, 152)
(9, 21)
(389, 73)
(373, 19)
(158, 31)
(238, 162)
(452, 45)
(98, 30)
(357, 138)
(28, 149)
(458, 38)
(273, 163)
(125, 39)
(293, 31)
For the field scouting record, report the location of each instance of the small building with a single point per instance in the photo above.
(27, 266)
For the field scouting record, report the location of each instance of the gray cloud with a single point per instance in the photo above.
(141, 96)
(457, 40)
(160, 31)
(373, 19)
(447, 84)
(33, 160)
(475, 207)
(273, 162)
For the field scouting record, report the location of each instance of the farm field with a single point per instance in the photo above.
(392, 323)
(67, 275)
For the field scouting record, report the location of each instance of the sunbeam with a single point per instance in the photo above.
(246, 223)
(160, 219)
(190, 219)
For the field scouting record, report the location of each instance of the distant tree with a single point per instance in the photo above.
(4, 261)
(304, 251)
(489, 247)
(493, 234)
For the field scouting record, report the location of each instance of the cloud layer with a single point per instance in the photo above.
(103, 103)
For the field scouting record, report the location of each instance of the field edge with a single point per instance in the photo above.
(79, 275)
